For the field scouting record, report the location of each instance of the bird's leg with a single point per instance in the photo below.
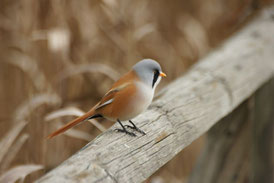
(124, 130)
(134, 127)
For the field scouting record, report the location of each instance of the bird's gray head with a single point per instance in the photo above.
(149, 71)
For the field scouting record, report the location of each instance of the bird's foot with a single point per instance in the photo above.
(136, 129)
(125, 131)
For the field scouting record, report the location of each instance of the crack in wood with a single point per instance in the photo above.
(162, 137)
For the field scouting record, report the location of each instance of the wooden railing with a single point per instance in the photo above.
(225, 81)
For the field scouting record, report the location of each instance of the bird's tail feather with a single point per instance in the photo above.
(88, 115)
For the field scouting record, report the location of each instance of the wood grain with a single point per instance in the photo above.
(187, 108)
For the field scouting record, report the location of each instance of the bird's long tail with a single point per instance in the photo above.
(89, 115)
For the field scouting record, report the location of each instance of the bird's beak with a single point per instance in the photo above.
(162, 74)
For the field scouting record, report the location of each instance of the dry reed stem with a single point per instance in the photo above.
(195, 35)
(78, 134)
(19, 173)
(13, 151)
(144, 30)
(88, 68)
(26, 108)
(8, 139)
(29, 66)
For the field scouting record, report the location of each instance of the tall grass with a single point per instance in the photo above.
(63, 53)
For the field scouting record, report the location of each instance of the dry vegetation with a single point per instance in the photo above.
(57, 57)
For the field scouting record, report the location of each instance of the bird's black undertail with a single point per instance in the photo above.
(94, 116)
(124, 130)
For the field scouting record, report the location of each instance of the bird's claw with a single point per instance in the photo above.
(136, 129)
(126, 132)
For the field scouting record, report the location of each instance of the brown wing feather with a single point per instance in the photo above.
(110, 95)
(131, 75)
(119, 92)
(119, 85)
(121, 104)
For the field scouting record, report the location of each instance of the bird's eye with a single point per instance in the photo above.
(155, 77)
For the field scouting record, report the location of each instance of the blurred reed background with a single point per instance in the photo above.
(59, 56)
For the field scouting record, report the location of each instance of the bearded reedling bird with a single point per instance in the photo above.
(127, 98)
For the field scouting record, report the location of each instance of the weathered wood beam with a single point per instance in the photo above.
(240, 147)
(262, 154)
(188, 107)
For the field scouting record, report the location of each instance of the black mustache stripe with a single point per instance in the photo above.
(155, 77)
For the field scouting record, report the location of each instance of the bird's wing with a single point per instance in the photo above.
(109, 97)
